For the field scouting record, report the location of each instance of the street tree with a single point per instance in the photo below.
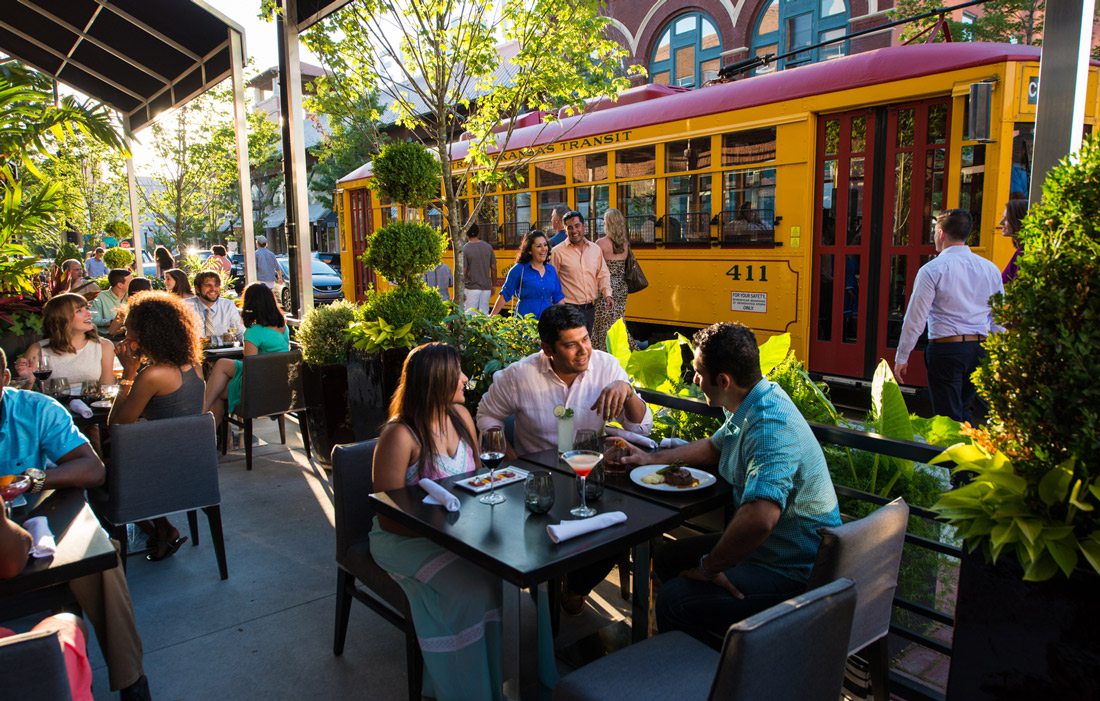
(350, 135)
(264, 166)
(92, 178)
(438, 65)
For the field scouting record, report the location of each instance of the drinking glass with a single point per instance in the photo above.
(43, 371)
(582, 462)
(90, 389)
(614, 449)
(538, 491)
(492, 454)
(58, 387)
(586, 439)
(13, 488)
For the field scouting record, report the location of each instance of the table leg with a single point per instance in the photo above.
(521, 642)
(639, 616)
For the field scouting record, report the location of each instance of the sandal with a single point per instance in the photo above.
(166, 549)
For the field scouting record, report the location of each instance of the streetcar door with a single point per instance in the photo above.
(361, 219)
(842, 244)
(914, 192)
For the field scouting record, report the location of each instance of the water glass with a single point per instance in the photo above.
(58, 387)
(90, 389)
(538, 491)
(593, 486)
(586, 439)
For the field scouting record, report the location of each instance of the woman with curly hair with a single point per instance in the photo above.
(533, 280)
(175, 281)
(161, 360)
(72, 347)
(265, 332)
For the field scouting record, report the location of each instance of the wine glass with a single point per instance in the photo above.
(43, 371)
(492, 454)
(582, 462)
(586, 439)
(16, 485)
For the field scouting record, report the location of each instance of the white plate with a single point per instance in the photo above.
(504, 475)
(101, 404)
(705, 479)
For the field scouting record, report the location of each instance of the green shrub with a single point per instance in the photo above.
(322, 333)
(407, 173)
(403, 251)
(66, 251)
(118, 258)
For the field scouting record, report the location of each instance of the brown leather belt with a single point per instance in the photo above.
(959, 339)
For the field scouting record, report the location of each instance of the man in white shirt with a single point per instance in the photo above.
(214, 316)
(951, 293)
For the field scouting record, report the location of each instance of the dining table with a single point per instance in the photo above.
(83, 548)
(512, 543)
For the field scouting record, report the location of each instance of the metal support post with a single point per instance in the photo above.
(244, 178)
(131, 191)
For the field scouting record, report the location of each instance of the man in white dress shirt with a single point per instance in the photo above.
(951, 294)
(214, 316)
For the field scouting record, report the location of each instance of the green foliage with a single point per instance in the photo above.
(103, 281)
(811, 398)
(403, 251)
(486, 343)
(118, 258)
(1016, 21)
(407, 173)
(119, 228)
(418, 305)
(323, 333)
(20, 314)
(17, 269)
(67, 251)
(350, 140)
(374, 335)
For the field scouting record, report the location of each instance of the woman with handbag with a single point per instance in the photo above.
(532, 280)
(620, 260)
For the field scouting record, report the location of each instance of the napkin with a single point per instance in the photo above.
(42, 541)
(672, 442)
(78, 407)
(438, 496)
(571, 529)
(637, 439)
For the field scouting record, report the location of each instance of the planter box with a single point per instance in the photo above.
(329, 418)
(1024, 640)
(372, 380)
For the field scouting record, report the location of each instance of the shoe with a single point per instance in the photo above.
(572, 603)
(138, 691)
(166, 549)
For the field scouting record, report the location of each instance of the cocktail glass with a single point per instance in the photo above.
(582, 462)
(9, 491)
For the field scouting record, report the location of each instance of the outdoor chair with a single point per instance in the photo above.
(352, 484)
(271, 386)
(163, 467)
(34, 666)
(794, 650)
(868, 552)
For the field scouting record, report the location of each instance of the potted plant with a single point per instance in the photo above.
(1028, 514)
(118, 258)
(323, 339)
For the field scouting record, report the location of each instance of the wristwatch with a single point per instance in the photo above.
(706, 571)
(38, 479)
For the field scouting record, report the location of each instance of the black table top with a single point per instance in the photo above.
(213, 353)
(83, 547)
(687, 504)
(512, 542)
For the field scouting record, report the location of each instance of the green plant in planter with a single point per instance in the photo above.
(406, 172)
(322, 333)
(403, 251)
(118, 258)
(406, 313)
(373, 335)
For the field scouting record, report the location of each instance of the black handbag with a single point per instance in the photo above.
(635, 279)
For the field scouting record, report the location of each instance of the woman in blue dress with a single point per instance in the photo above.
(533, 280)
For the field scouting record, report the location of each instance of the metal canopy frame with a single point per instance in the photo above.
(140, 57)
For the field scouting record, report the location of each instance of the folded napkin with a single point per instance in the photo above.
(42, 541)
(438, 496)
(637, 439)
(672, 442)
(571, 529)
(79, 408)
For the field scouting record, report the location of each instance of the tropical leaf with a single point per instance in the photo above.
(618, 343)
(773, 352)
(891, 418)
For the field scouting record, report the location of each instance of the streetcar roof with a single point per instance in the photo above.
(859, 70)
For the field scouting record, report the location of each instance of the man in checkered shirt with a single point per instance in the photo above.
(781, 489)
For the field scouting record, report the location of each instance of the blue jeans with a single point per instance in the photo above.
(705, 610)
(950, 366)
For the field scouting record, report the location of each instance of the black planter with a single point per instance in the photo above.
(1024, 640)
(372, 380)
(329, 419)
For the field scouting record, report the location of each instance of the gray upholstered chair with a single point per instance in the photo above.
(271, 386)
(794, 650)
(868, 552)
(352, 484)
(164, 467)
(36, 667)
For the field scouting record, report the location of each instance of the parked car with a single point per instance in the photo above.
(332, 259)
(237, 271)
(148, 264)
(327, 286)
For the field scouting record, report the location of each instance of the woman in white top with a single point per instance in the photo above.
(74, 349)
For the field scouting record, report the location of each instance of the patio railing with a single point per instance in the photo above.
(907, 686)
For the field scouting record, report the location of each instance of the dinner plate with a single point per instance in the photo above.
(705, 479)
(504, 475)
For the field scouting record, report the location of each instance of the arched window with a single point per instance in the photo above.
(787, 25)
(688, 52)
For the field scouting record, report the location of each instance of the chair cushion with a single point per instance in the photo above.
(358, 561)
(669, 667)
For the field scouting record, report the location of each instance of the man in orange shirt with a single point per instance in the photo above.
(585, 279)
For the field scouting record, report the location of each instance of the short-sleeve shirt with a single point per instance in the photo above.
(536, 292)
(442, 279)
(769, 452)
(266, 265)
(480, 264)
(35, 431)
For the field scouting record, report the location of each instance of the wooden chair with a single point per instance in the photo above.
(271, 386)
(352, 484)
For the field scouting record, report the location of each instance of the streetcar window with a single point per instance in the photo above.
(635, 162)
(935, 160)
(832, 136)
(1023, 139)
(548, 202)
(906, 127)
(517, 217)
(550, 173)
(689, 154)
(638, 203)
(859, 134)
(850, 327)
(828, 203)
(743, 147)
(748, 207)
(903, 182)
(825, 275)
(590, 168)
(687, 213)
(937, 124)
(487, 221)
(592, 201)
(971, 187)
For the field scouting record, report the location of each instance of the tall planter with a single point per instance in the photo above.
(1024, 640)
(329, 418)
(372, 380)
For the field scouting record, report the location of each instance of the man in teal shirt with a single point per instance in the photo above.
(105, 305)
(781, 489)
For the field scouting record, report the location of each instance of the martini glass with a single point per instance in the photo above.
(582, 462)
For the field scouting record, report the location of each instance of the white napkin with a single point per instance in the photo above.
(42, 541)
(571, 529)
(438, 496)
(80, 408)
(636, 438)
(672, 442)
